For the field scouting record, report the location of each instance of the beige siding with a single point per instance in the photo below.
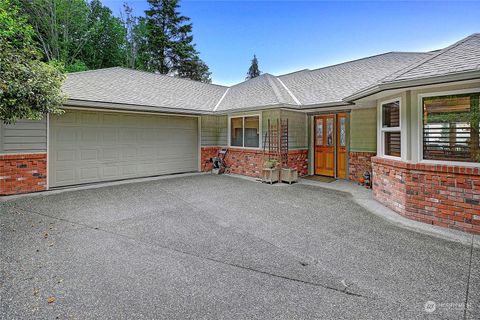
(363, 130)
(214, 131)
(25, 136)
(297, 129)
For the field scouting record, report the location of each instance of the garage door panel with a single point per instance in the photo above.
(89, 135)
(109, 172)
(110, 155)
(89, 155)
(65, 134)
(64, 155)
(90, 146)
(108, 136)
(65, 176)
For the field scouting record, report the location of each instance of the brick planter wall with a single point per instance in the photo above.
(358, 163)
(448, 196)
(249, 162)
(23, 173)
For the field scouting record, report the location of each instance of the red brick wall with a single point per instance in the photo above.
(448, 196)
(23, 173)
(249, 162)
(207, 154)
(358, 163)
(298, 159)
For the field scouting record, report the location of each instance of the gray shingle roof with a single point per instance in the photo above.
(126, 86)
(462, 56)
(264, 90)
(332, 84)
(325, 86)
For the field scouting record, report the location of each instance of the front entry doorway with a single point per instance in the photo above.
(331, 145)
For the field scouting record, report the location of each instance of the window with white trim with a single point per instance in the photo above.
(390, 129)
(451, 128)
(245, 132)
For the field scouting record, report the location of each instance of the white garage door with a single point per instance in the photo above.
(88, 146)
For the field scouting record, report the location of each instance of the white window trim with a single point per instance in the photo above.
(420, 128)
(382, 130)
(243, 116)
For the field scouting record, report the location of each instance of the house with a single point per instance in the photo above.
(410, 118)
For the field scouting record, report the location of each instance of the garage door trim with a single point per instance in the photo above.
(49, 145)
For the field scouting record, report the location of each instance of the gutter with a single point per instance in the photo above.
(132, 107)
(472, 75)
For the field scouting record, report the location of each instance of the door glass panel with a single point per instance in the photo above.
(329, 131)
(343, 134)
(319, 132)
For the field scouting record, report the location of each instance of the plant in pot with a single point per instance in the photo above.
(270, 172)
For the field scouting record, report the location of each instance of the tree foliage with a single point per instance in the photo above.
(253, 71)
(29, 88)
(86, 35)
(135, 39)
(169, 47)
(75, 32)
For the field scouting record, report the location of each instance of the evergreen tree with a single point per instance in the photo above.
(169, 46)
(253, 71)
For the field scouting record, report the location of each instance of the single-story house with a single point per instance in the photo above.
(410, 118)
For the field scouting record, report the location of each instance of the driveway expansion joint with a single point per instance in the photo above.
(201, 257)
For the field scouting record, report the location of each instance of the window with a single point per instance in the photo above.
(451, 128)
(390, 130)
(245, 132)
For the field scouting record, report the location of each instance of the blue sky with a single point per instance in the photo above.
(291, 35)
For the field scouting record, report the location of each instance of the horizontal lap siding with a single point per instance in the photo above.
(363, 130)
(25, 136)
(214, 131)
(297, 129)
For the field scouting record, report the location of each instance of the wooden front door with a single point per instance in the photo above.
(325, 145)
(342, 146)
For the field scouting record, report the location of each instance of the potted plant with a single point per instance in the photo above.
(270, 172)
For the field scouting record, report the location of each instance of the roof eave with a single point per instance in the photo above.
(79, 103)
(258, 108)
(471, 75)
(325, 105)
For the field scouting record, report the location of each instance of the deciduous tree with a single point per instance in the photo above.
(29, 87)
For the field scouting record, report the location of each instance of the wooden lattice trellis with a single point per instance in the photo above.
(275, 143)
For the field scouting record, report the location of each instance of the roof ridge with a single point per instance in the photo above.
(430, 57)
(276, 90)
(289, 92)
(221, 99)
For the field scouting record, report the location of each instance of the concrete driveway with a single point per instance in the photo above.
(210, 247)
